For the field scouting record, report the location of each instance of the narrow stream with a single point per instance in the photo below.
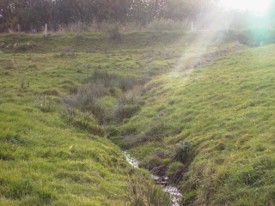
(175, 194)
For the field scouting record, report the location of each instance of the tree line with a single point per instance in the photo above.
(32, 15)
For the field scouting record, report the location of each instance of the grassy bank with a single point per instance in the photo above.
(213, 128)
(53, 153)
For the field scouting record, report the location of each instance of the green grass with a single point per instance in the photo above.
(205, 117)
(53, 154)
(52, 163)
(225, 110)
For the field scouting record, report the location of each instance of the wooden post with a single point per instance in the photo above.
(46, 30)
(18, 28)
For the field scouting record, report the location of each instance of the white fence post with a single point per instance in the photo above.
(46, 30)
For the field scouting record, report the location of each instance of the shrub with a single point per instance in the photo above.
(183, 152)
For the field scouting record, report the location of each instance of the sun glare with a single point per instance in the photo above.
(255, 6)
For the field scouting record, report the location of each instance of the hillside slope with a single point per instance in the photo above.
(45, 160)
(52, 153)
(214, 125)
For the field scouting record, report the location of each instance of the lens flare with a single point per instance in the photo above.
(255, 6)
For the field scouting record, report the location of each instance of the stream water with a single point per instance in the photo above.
(175, 194)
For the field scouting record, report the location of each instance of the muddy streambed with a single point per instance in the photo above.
(175, 194)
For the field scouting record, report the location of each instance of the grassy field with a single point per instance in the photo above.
(196, 107)
(53, 153)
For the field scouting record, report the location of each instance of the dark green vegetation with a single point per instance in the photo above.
(197, 107)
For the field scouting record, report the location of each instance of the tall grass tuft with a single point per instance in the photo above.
(143, 193)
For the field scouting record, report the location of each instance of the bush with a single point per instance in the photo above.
(183, 152)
